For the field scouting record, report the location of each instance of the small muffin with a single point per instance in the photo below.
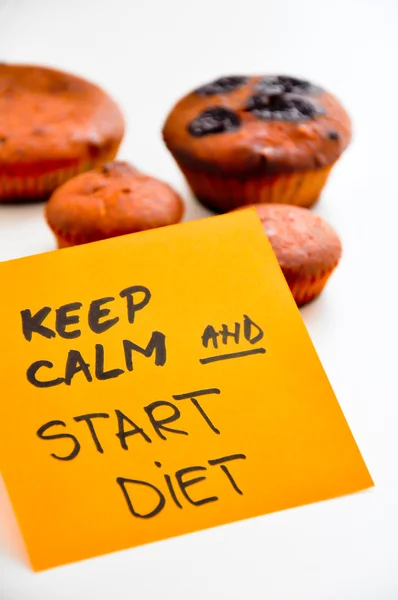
(52, 126)
(112, 200)
(306, 247)
(243, 140)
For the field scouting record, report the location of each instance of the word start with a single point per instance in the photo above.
(156, 424)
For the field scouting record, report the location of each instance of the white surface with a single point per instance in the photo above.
(147, 54)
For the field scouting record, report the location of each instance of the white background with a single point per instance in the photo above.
(147, 54)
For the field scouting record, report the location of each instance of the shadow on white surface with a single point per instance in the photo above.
(24, 231)
(25, 211)
(11, 542)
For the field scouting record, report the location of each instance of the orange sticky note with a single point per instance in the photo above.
(158, 384)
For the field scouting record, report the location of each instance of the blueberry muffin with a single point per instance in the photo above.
(242, 140)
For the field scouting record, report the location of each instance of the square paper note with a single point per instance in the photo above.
(157, 384)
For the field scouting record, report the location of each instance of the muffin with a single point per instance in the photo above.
(307, 248)
(52, 126)
(114, 199)
(244, 140)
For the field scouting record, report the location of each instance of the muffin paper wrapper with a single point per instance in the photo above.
(223, 194)
(24, 188)
(305, 289)
(19, 188)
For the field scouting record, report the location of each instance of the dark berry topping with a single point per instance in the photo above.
(224, 85)
(282, 84)
(333, 135)
(282, 108)
(214, 120)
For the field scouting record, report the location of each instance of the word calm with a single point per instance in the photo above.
(65, 323)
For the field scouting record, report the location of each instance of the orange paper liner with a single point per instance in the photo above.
(223, 194)
(15, 188)
(25, 187)
(306, 289)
